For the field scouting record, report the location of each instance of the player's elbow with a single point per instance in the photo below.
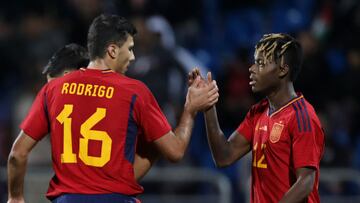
(175, 157)
(222, 160)
(221, 163)
(16, 157)
(177, 152)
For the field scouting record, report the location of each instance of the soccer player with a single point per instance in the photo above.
(73, 57)
(95, 117)
(282, 131)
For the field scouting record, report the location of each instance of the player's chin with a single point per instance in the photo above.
(124, 69)
(258, 90)
(254, 89)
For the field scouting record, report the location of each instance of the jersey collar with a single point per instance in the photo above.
(108, 70)
(300, 96)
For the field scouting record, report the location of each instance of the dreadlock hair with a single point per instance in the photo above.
(276, 46)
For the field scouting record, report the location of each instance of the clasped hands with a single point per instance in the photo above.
(202, 94)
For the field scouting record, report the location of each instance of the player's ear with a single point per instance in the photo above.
(112, 50)
(284, 68)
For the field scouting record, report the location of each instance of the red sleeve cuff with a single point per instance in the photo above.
(244, 134)
(30, 133)
(161, 134)
(307, 164)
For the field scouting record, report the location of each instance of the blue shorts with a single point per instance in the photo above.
(95, 198)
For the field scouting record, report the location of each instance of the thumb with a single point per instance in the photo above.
(209, 77)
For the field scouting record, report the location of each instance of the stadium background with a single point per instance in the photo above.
(217, 35)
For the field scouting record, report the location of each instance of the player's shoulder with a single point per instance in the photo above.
(259, 107)
(302, 105)
(44, 88)
(132, 81)
(134, 84)
(310, 110)
(303, 115)
(131, 85)
(303, 111)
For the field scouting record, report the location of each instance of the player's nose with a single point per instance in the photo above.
(132, 57)
(252, 68)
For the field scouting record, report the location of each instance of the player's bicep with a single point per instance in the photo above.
(307, 176)
(306, 171)
(239, 145)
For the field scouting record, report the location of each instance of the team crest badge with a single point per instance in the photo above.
(276, 132)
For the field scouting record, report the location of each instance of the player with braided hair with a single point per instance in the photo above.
(282, 131)
(281, 47)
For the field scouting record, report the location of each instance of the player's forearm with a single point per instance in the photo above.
(173, 145)
(184, 130)
(300, 190)
(216, 138)
(16, 172)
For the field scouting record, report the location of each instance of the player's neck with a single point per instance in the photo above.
(281, 96)
(98, 64)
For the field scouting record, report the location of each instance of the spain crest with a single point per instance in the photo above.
(275, 133)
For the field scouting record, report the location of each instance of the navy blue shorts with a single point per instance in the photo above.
(95, 198)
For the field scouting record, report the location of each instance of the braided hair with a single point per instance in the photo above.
(281, 48)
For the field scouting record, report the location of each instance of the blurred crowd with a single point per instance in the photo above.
(177, 35)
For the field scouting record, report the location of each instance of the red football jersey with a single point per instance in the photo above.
(94, 118)
(288, 139)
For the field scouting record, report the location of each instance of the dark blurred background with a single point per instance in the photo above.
(217, 35)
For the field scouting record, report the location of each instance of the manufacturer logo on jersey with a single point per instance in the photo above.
(264, 128)
(257, 126)
(276, 132)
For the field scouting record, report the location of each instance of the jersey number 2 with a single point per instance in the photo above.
(68, 156)
(261, 163)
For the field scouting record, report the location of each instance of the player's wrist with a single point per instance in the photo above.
(189, 111)
(16, 198)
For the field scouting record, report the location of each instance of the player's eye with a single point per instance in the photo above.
(260, 63)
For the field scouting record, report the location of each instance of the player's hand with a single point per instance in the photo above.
(201, 95)
(16, 200)
(192, 76)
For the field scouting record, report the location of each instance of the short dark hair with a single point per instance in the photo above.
(107, 29)
(71, 56)
(279, 44)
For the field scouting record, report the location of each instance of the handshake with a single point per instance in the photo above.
(202, 94)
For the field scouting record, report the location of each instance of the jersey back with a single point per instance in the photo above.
(94, 118)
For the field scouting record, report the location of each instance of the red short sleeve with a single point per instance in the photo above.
(153, 122)
(36, 123)
(246, 127)
(307, 143)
